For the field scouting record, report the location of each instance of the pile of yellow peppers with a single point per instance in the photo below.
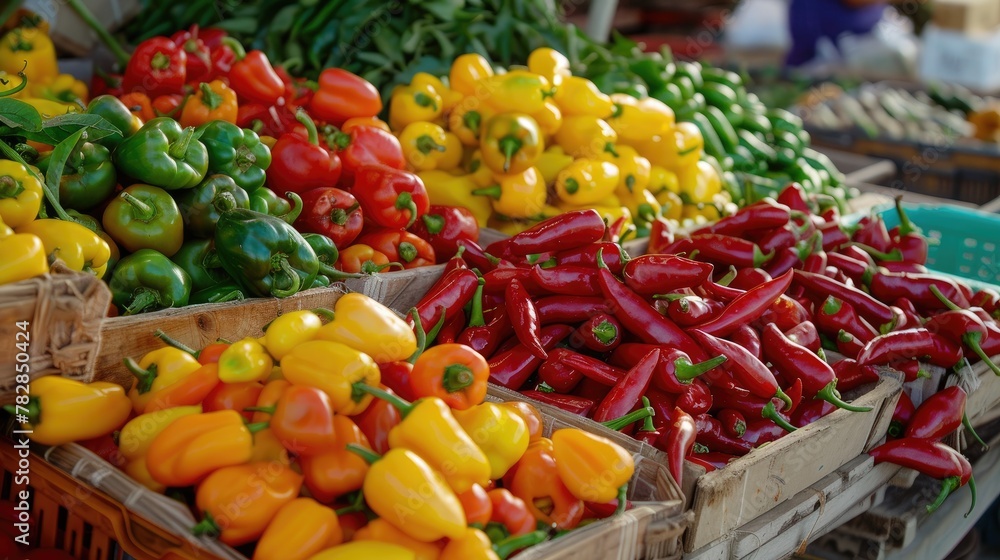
(524, 144)
(28, 49)
(290, 442)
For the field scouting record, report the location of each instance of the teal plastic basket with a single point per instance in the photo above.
(968, 241)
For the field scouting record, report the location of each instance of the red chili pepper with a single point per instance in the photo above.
(908, 238)
(378, 419)
(679, 441)
(658, 274)
(450, 330)
(570, 403)
(590, 389)
(524, 317)
(697, 399)
(816, 262)
(798, 362)
(849, 345)
(331, 212)
(939, 415)
(400, 246)
(300, 164)
(727, 250)
(391, 198)
(747, 278)
(834, 237)
(747, 306)
(748, 338)
(851, 267)
(733, 422)
(396, 376)
(661, 235)
(785, 313)
(785, 260)
(157, 67)
(777, 239)
(911, 369)
(592, 368)
(836, 315)
(986, 298)
(876, 312)
(445, 228)
(561, 233)
(964, 327)
(600, 333)
(341, 95)
(486, 339)
(513, 367)
(851, 375)
(760, 432)
(811, 411)
(933, 459)
(911, 343)
(794, 197)
(888, 286)
(477, 257)
(628, 390)
(614, 257)
(451, 292)
(712, 436)
(765, 214)
(560, 377)
(900, 267)
(688, 311)
(566, 279)
(569, 309)
(805, 334)
(663, 405)
(498, 279)
(901, 416)
(629, 354)
(252, 75)
(711, 460)
(873, 234)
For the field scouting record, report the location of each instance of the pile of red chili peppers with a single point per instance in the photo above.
(714, 342)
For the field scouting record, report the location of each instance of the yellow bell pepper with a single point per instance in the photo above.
(700, 183)
(642, 205)
(369, 327)
(635, 119)
(587, 181)
(509, 227)
(20, 194)
(156, 371)
(610, 209)
(77, 246)
(517, 195)
(498, 431)
(334, 368)
(586, 136)
(467, 71)
(48, 108)
(551, 64)
(552, 161)
(290, 330)
(424, 145)
(517, 91)
(138, 470)
(473, 545)
(701, 213)
(690, 145)
(549, 119)
(467, 119)
(578, 97)
(633, 170)
(413, 103)
(449, 97)
(592, 467)
(403, 488)
(267, 448)
(244, 360)
(451, 158)
(366, 550)
(23, 46)
(661, 179)
(12, 83)
(382, 531)
(59, 410)
(671, 204)
(22, 256)
(300, 529)
(511, 143)
(446, 189)
(138, 434)
(479, 172)
(63, 88)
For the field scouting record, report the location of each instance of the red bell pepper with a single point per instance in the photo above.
(274, 121)
(628, 390)
(445, 228)
(331, 212)
(561, 233)
(876, 312)
(524, 318)
(302, 420)
(199, 55)
(300, 164)
(933, 459)
(252, 75)
(400, 246)
(733, 422)
(901, 416)
(580, 406)
(341, 95)
(510, 512)
(659, 274)
(379, 418)
(747, 306)
(513, 367)
(600, 333)
(157, 67)
(911, 343)
(391, 198)
(566, 279)
(366, 145)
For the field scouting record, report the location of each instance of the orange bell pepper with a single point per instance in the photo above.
(477, 505)
(453, 372)
(301, 528)
(267, 447)
(211, 353)
(140, 104)
(234, 396)
(156, 371)
(268, 397)
(382, 531)
(531, 416)
(511, 512)
(594, 468)
(214, 101)
(191, 447)
(302, 420)
(363, 550)
(238, 502)
(191, 390)
(473, 545)
(361, 258)
(336, 471)
(536, 480)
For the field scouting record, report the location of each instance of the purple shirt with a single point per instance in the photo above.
(808, 20)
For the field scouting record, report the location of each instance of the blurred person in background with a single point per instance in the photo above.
(809, 21)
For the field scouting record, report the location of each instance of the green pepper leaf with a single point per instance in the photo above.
(19, 115)
(444, 10)
(57, 129)
(60, 155)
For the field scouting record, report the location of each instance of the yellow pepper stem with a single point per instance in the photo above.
(144, 377)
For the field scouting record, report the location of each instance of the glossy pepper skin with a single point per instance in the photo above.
(236, 152)
(147, 280)
(88, 178)
(238, 502)
(145, 217)
(20, 194)
(334, 368)
(369, 327)
(453, 372)
(57, 404)
(252, 75)
(158, 66)
(566, 231)
(524, 318)
(342, 95)
(137, 435)
(911, 343)
(659, 274)
(593, 468)
(939, 415)
(213, 101)
(202, 206)
(516, 195)
(392, 198)
(300, 529)
(299, 164)
(335, 471)
(23, 256)
(332, 212)
(931, 458)
(444, 227)
(498, 431)
(876, 312)
(163, 154)
(513, 367)
(303, 421)
(536, 478)
(192, 447)
(400, 246)
(627, 390)
(964, 327)
(157, 371)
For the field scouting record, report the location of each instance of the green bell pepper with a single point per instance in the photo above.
(200, 261)
(265, 201)
(321, 281)
(230, 291)
(145, 217)
(163, 154)
(116, 113)
(88, 178)
(237, 152)
(326, 251)
(200, 206)
(264, 253)
(147, 280)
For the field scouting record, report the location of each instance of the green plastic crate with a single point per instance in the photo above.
(969, 241)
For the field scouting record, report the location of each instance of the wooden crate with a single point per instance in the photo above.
(63, 312)
(398, 290)
(982, 404)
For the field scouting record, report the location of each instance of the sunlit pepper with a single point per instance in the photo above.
(662, 179)
(451, 158)
(138, 434)
(412, 103)
(671, 204)
(445, 189)
(578, 96)
(234, 396)
(473, 545)
(238, 502)
(367, 326)
(699, 184)
(214, 101)
(268, 398)
(77, 246)
(587, 181)
(49, 109)
(635, 119)
(382, 531)
(549, 119)
(536, 480)
(643, 206)
(449, 97)
(517, 195)
(468, 118)
(633, 170)
(511, 143)
(334, 368)
(586, 136)
(500, 432)
(61, 410)
(362, 550)
(551, 64)
(594, 468)
(302, 420)
(290, 330)
(244, 360)
(300, 529)
(454, 373)
(22, 256)
(479, 172)
(20, 194)
(362, 258)
(336, 471)
(518, 91)
(424, 144)
(552, 161)
(156, 371)
(267, 448)
(467, 71)
(28, 48)
(191, 447)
